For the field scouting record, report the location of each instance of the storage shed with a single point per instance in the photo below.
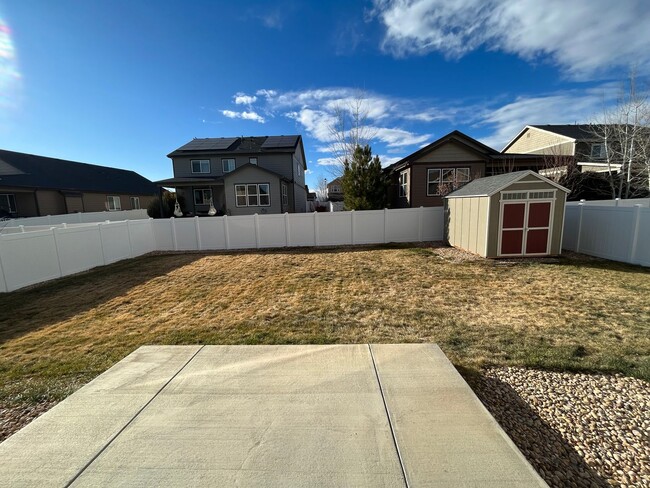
(508, 215)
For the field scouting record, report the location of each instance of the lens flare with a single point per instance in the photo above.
(9, 75)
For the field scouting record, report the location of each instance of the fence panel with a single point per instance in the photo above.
(606, 232)
(433, 221)
(80, 218)
(79, 248)
(241, 232)
(213, 233)
(115, 241)
(29, 258)
(571, 225)
(335, 228)
(185, 230)
(642, 248)
(272, 231)
(402, 225)
(141, 236)
(369, 227)
(301, 230)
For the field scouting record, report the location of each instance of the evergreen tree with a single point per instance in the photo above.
(365, 186)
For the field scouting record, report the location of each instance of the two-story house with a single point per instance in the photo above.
(32, 185)
(568, 144)
(423, 178)
(240, 175)
(335, 190)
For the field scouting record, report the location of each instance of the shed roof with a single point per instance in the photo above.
(485, 187)
(30, 171)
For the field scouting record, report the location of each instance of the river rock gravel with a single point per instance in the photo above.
(577, 430)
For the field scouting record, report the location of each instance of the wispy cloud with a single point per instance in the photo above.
(585, 38)
(254, 116)
(243, 99)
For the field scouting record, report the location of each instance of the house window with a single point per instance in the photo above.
(462, 176)
(252, 161)
(200, 165)
(433, 181)
(447, 175)
(135, 203)
(202, 196)
(228, 165)
(598, 151)
(523, 195)
(7, 203)
(403, 183)
(253, 195)
(298, 169)
(114, 203)
(285, 195)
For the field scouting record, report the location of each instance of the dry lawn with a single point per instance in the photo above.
(571, 313)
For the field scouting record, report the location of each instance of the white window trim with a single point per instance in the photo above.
(200, 161)
(13, 197)
(403, 184)
(135, 200)
(114, 198)
(429, 182)
(601, 155)
(202, 190)
(234, 165)
(246, 195)
(285, 195)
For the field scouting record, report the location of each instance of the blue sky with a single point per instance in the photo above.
(125, 82)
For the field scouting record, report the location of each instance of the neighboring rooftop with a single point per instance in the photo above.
(244, 145)
(32, 171)
(574, 131)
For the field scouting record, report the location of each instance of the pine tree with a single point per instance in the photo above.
(365, 185)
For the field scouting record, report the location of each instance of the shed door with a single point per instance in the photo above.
(525, 226)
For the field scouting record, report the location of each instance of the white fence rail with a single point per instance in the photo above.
(629, 202)
(33, 255)
(618, 233)
(78, 218)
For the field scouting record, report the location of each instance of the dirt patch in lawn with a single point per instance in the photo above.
(570, 313)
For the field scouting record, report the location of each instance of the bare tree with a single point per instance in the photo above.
(556, 164)
(321, 189)
(624, 134)
(349, 130)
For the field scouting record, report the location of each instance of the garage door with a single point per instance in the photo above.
(525, 228)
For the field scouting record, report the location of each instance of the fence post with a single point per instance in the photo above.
(226, 233)
(635, 233)
(173, 224)
(385, 218)
(56, 250)
(256, 222)
(2, 271)
(615, 202)
(287, 233)
(420, 210)
(49, 220)
(101, 242)
(581, 207)
(316, 239)
(22, 229)
(197, 229)
(352, 220)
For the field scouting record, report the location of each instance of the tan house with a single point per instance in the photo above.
(561, 145)
(510, 215)
(335, 190)
(240, 175)
(32, 186)
(423, 178)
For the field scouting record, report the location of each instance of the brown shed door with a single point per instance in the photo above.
(525, 226)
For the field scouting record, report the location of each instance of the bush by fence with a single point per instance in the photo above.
(28, 257)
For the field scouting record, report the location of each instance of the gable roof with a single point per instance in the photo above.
(32, 171)
(241, 145)
(455, 136)
(485, 187)
(254, 166)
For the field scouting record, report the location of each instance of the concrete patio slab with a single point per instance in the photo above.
(343, 415)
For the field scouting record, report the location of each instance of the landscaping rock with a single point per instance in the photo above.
(575, 429)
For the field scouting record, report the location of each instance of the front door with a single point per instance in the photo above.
(525, 228)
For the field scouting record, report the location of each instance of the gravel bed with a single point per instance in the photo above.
(577, 430)
(15, 418)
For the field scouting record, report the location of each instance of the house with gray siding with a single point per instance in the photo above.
(240, 175)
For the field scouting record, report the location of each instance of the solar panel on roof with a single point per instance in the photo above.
(209, 144)
(279, 141)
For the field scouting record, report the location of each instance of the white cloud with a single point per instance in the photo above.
(266, 93)
(398, 137)
(583, 37)
(388, 160)
(328, 162)
(243, 115)
(243, 99)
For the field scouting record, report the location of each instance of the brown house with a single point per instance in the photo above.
(423, 178)
(31, 186)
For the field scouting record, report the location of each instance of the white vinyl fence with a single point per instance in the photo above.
(78, 218)
(619, 233)
(617, 202)
(33, 255)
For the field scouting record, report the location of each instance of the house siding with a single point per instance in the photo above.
(25, 203)
(251, 175)
(535, 141)
(418, 180)
(97, 202)
(51, 202)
